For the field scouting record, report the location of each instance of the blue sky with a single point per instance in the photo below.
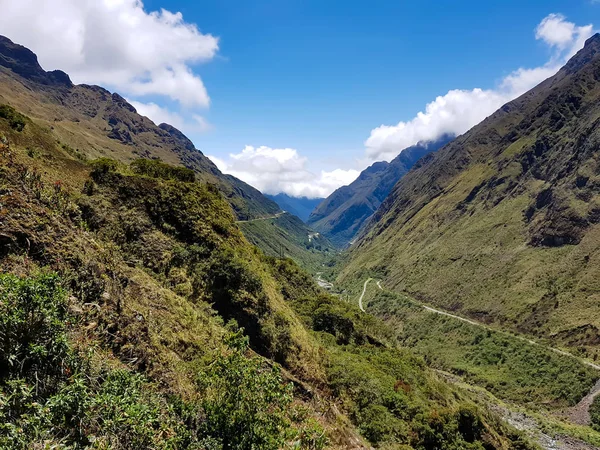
(301, 84)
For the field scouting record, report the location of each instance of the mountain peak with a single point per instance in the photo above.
(24, 62)
(594, 40)
(585, 55)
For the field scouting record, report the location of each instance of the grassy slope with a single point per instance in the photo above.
(91, 123)
(467, 229)
(154, 267)
(289, 235)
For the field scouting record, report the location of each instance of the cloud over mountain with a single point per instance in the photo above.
(114, 43)
(459, 110)
(275, 170)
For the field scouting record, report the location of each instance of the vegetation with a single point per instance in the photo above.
(158, 169)
(245, 403)
(15, 119)
(511, 368)
(342, 215)
(389, 393)
(501, 225)
(595, 414)
(51, 394)
(289, 237)
(128, 347)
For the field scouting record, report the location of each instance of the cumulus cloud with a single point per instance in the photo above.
(188, 124)
(114, 43)
(459, 110)
(275, 170)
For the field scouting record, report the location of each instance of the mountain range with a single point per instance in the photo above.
(93, 123)
(148, 300)
(341, 216)
(301, 207)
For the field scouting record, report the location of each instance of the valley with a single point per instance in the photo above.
(448, 299)
(553, 427)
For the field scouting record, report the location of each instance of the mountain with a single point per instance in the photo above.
(502, 224)
(341, 215)
(286, 236)
(96, 123)
(136, 315)
(298, 206)
(93, 123)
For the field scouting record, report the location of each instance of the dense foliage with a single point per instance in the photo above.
(595, 413)
(389, 393)
(158, 169)
(51, 394)
(15, 119)
(512, 368)
(153, 268)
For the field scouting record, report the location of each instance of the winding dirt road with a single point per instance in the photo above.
(274, 216)
(363, 294)
(578, 414)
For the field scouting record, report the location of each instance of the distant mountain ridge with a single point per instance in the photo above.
(298, 206)
(341, 215)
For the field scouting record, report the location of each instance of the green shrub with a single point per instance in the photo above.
(33, 342)
(15, 119)
(158, 169)
(595, 414)
(102, 167)
(244, 402)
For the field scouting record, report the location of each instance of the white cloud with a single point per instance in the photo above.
(459, 110)
(275, 170)
(555, 30)
(114, 43)
(158, 114)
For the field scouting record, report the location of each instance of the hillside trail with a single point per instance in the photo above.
(578, 414)
(360, 305)
(274, 216)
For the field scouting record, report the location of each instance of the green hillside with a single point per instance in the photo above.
(287, 236)
(502, 224)
(136, 315)
(341, 216)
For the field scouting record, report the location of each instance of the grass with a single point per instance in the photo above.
(287, 236)
(153, 266)
(511, 368)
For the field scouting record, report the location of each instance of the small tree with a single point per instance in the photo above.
(245, 401)
(33, 343)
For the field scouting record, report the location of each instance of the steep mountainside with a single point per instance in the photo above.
(286, 236)
(90, 122)
(502, 224)
(118, 287)
(298, 206)
(94, 123)
(123, 287)
(341, 215)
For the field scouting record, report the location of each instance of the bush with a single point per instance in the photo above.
(158, 169)
(595, 414)
(102, 167)
(32, 331)
(245, 401)
(15, 119)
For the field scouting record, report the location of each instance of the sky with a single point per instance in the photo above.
(299, 96)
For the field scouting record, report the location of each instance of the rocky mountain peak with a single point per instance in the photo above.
(24, 62)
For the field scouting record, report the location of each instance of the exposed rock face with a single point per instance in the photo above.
(24, 62)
